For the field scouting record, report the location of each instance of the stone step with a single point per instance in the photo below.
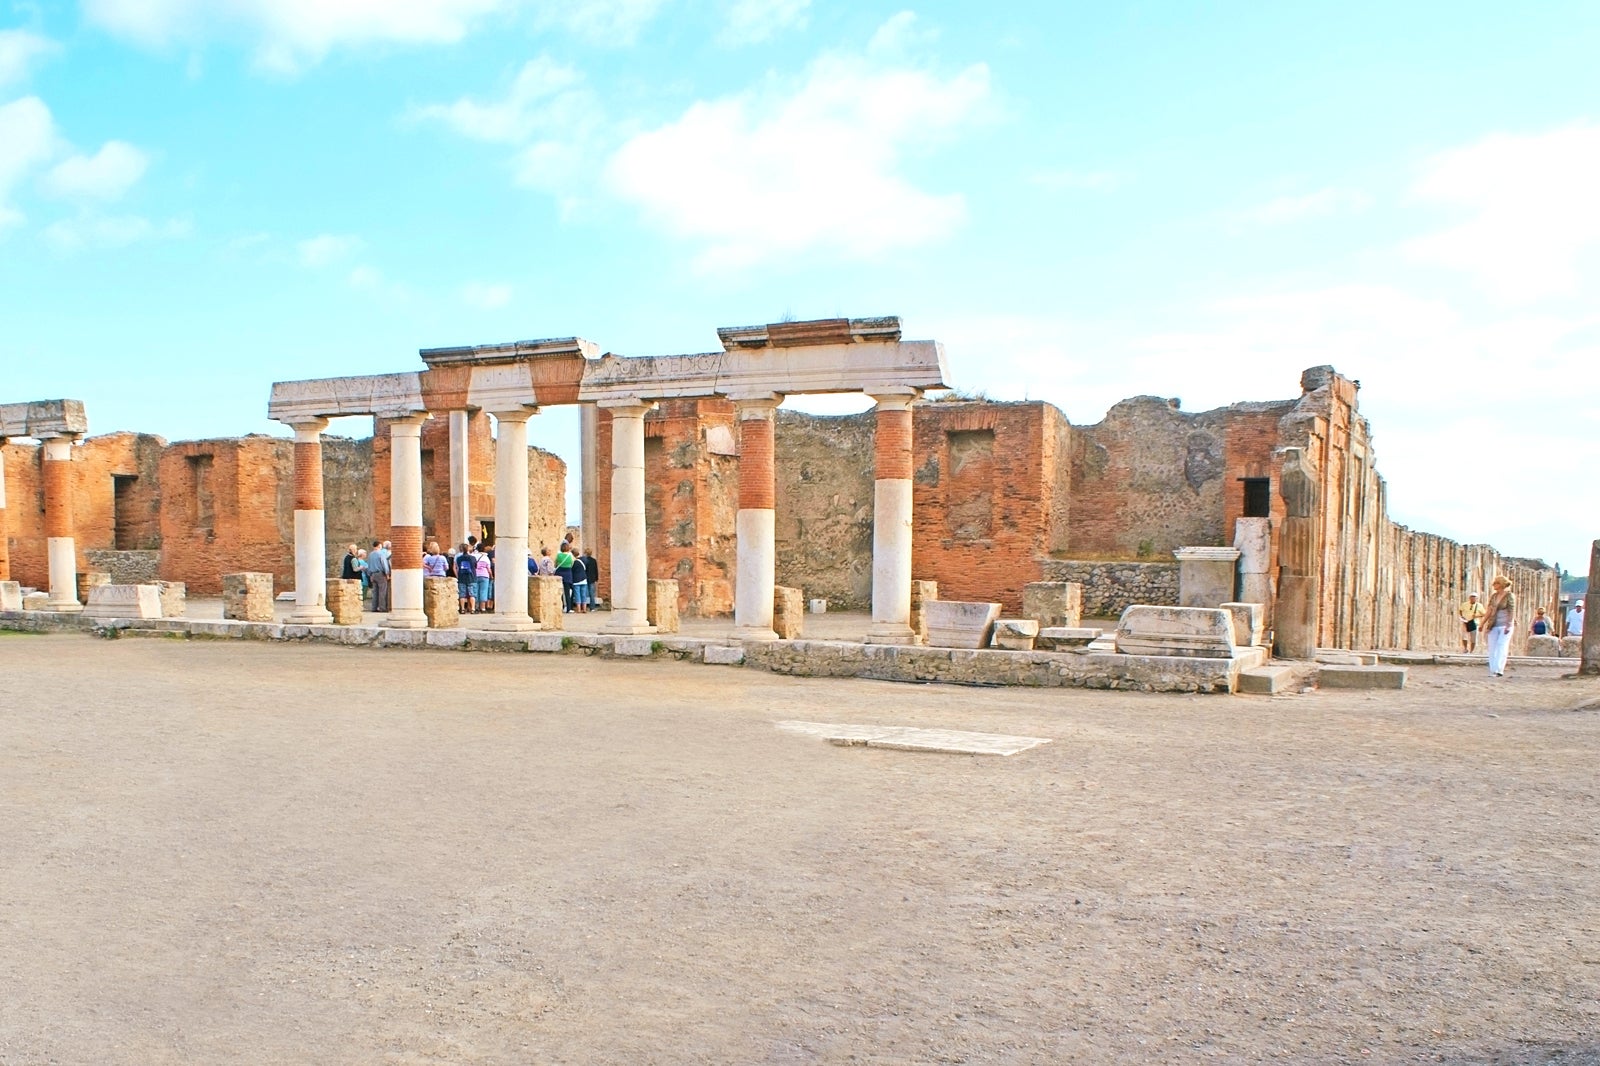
(1338, 657)
(1266, 680)
(1364, 677)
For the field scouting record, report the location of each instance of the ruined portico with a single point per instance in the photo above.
(56, 424)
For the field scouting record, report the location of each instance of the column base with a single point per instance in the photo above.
(754, 633)
(509, 623)
(64, 607)
(412, 619)
(890, 633)
(629, 630)
(311, 616)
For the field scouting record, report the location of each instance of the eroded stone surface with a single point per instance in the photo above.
(1067, 637)
(788, 612)
(1206, 576)
(123, 601)
(247, 597)
(1015, 634)
(1249, 623)
(344, 601)
(10, 596)
(661, 605)
(1053, 604)
(440, 602)
(545, 601)
(1197, 632)
(960, 623)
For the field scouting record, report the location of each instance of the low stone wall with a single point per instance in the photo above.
(125, 567)
(1109, 588)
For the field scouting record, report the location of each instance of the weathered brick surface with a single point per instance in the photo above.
(788, 612)
(247, 597)
(439, 602)
(661, 605)
(344, 601)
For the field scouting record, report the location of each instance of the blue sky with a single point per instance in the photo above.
(1083, 201)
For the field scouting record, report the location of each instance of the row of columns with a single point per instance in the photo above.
(61, 548)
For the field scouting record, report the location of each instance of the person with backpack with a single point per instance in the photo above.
(466, 568)
(484, 585)
(580, 583)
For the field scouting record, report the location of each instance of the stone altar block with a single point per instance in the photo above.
(35, 601)
(1207, 577)
(1053, 604)
(174, 598)
(344, 601)
(123, 601)
(1249, 623)
(545, 601)
(661, 605)
(1253, 538)
(10, 596)
(1054, 637)
(788, 614)
(960, 623)
(1185, 632)
(247, 597)
(441, 602)
(1015, 634)
(90, 579)
(922, 592)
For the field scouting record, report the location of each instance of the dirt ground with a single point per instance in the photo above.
(218, 852)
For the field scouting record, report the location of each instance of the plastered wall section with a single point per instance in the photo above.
(823, 507)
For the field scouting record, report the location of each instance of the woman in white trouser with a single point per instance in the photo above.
(1500, 614)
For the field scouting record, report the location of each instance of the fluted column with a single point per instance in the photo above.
(5, 539)
(1295, 622)
(460, 480)
(511, 522)
(58, 526)
(629, 555)
(757, 539)
(405, 522)
(891, 519)
(310, 527)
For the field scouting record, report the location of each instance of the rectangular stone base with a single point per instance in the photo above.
(1266, 680)
(1362, 677)
(123, 601)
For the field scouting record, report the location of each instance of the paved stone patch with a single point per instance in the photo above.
(907, 738)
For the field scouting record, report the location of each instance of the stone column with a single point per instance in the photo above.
(58, 526)
(405, 522)
(310, 527)
(5, 539)
(629, 555)
(757, 543)
(1299, 559)
(1589, 644)
(589, 472)
(460, 480)
(511, 522)
(891, 519)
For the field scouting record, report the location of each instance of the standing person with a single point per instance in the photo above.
(1471, 622)
(483, 587)
(580, 582)
(1501, 615)
(564, 560)
(591, 569)
(434, 564)
(547, 562)
(1575, 619)
(378, 571)
(467, 579)
(361, 572)
(347, 569)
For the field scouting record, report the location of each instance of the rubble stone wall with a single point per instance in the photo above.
(1110, 587)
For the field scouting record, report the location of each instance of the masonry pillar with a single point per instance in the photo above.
(891, 519)
(1300, 560)
(511, 522)
(757, 537)
(5, 538)
(589, 472)
(460, 480)
(62, 549)
(1589, 644)
(310, 527)
(405, 522)
(629, 557)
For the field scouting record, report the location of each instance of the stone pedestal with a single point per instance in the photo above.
(545, 601)
(922, 593)
(36, 601)
(1571, 647)
(1207, 577)
(1015, 634)
(1253, 538)
(1053, 604)
(440, 603)
(247, 597)
(175, 598)
(960, 623)
(1185, 632)
(344, 601)
(1544, 647)
(788, 612)
(10, 596)
(123, 601)
(91, 579)
(1249, 624)
(661, 605)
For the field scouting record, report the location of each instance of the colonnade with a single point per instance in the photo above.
(61, 549)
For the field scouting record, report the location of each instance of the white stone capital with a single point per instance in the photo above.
(520, 413)
(408, 425)
(58, 449)
(308, 431)
(627, 406)
(761, 406)
(894, 397)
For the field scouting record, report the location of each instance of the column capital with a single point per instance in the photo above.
(894, 397)
(520, 413)
(752, 405)
(628, 406)
(408, 425)
(308, 430)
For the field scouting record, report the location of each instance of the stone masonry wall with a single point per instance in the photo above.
(1110, 587)
(824, 507)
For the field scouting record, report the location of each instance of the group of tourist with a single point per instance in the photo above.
(472, 565)
(1496, 619)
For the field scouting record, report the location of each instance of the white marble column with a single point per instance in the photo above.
(756, 522)
(61, 546)
(405, 522)
(310, 527)
(891, 519)
(629, 555)
(511, 522)
(460, 480)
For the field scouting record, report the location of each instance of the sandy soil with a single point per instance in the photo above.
(254, 853)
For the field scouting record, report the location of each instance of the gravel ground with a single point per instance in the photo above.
(218, 852)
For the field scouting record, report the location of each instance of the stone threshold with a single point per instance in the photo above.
(797, 658)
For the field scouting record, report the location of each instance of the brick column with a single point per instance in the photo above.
(511, 522)
(757, 543)
(405, 522)
(5, 534)
(310, 527)
(460, 480)
(629, 554)
(891, 519)
(58, 526)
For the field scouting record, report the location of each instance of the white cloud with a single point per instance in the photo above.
(1062, 180)
(289, 34)
(545, 97)
(755, 21)
(111, 231)
(326, 249)
(764, 174)
(899, 36)
(28, 140)
(1533, 211)
(1322, 202)
(603, 22)
(19, 52)
(106, 175)
(486, 296)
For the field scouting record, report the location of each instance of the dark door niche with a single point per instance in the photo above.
(123, 536)
(1257, 497)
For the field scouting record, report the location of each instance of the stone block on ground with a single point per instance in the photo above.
(960, 623)
(1361, 677)
(344, 601)
(922, 592)
(661, 605)
(545, 601)
(247, 597)
(90, 579)
(123, 601)
(1544, 647)
(440, 602)
(35, 601)
(788, 612)
(1338, 657)
(1193, 632)
(1571, 647)
(1249, 623)
(718, 655)
(1207, 577)
(10, 596)
(174, 598)
(1066, 637)
(1015, 634)
(1266, 680)
(1053, 604)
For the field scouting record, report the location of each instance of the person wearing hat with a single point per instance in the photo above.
(1501, 615)
(1575, 618)
(1471, 621)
